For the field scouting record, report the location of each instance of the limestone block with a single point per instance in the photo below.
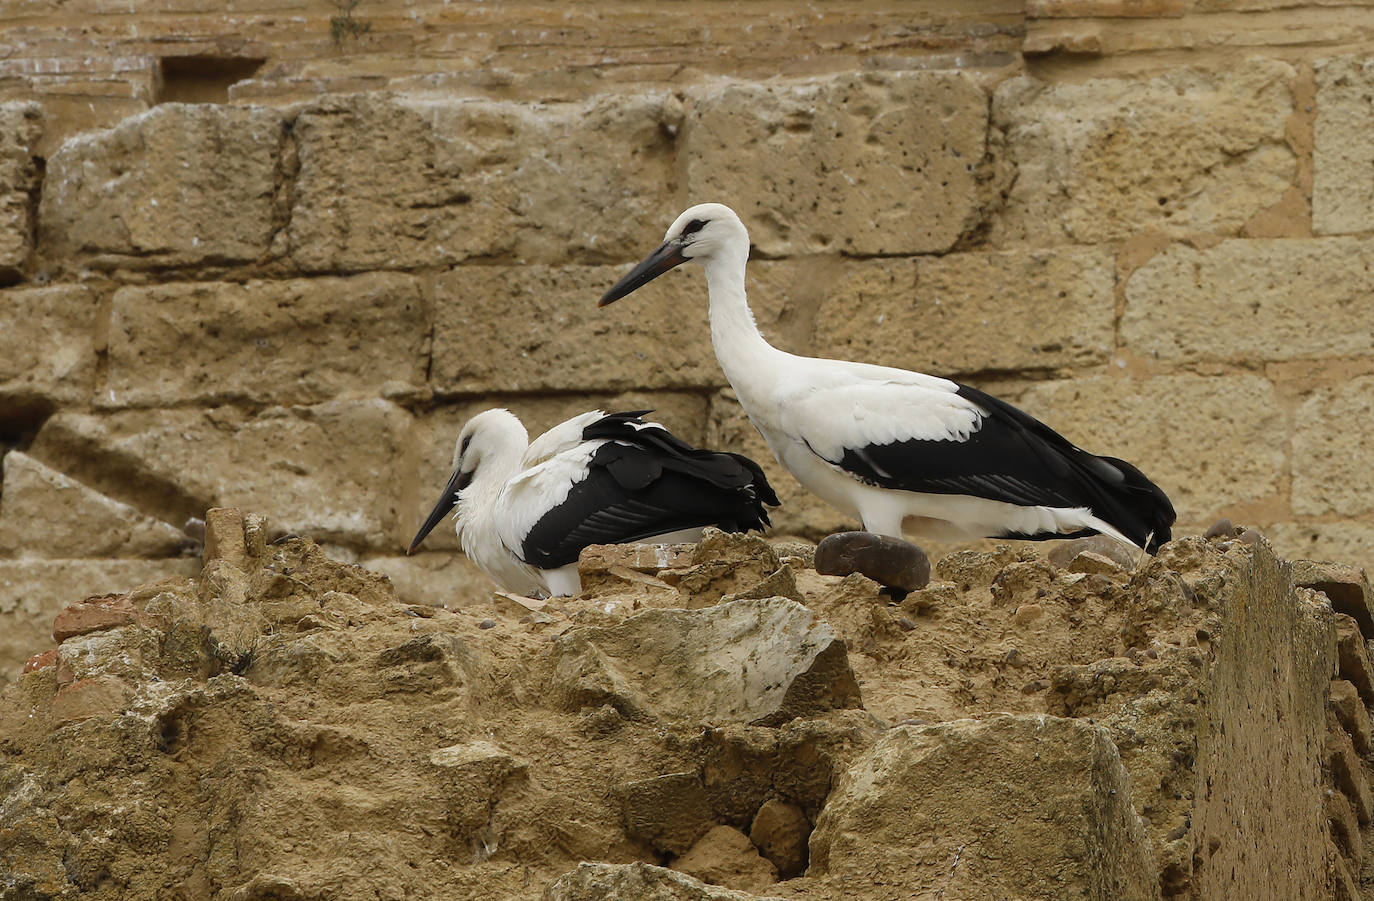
(1349, 540)
(1353, 657)
(861, 164)
(669, 812)
(178, 185)
(33, 592)
(637, 882)
(1029, 806)
(397, 182)
(1209, 442)
(1346, 586)
(1186, 151)
(1331, 471)
(1105, 8)
(328, 471)
(298, 341)
(537, 328)
(1352, 713)
(45, 513)
(1343, 148)
(431, 442)
(1246, 301)
(47, 348)
(951, 314)
(20, 126)
(747, 661)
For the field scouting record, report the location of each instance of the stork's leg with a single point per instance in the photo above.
(564, 580)
(882, 522)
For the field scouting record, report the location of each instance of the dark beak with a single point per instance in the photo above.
(668, 255)
(456, 483)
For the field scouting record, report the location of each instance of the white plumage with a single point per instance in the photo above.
(526, 510)
(901, 450)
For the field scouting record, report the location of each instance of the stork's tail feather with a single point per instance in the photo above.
(1136, 506)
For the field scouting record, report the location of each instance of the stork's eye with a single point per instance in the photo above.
(467, 439)
(693, 227)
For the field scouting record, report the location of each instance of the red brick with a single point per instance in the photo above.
(41, 661)
(94, 615)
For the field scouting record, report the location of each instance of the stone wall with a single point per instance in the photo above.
(1143, 222)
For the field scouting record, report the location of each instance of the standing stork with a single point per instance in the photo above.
(897, 449)
(526, 511)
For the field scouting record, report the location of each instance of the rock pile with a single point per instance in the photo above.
(705, 722)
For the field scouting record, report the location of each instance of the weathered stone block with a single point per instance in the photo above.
(45, 513)
(325, 470)
(1186, 151)
(179, 185)
(1331, 472)
(1347, 587)
(877, 163)
(949, 314)
(1339, 540)
(20, 126)
(1106, 8)
(396, 182)
(47, 347)
(1352, 714)
(299, 341)
(1209, 442)
(536, 328)
(1030, 805)
(1343, 149)
(1248, 301)
(431, 442)
(1353, 657)
(669, 812)
(747, 661)
(32, 592)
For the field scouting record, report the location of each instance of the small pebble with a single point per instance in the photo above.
(487, 624)
(1222, 528)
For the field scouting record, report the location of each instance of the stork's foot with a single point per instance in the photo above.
(899, 566)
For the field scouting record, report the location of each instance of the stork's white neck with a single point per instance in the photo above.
(500, 461)
(745, 356)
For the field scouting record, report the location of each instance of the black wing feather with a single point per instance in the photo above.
(645, 481)
(1015, 458)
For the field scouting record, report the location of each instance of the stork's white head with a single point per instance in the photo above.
(703, 233)
(493, 440)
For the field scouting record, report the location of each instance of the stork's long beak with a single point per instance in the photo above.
(665, 257)
(456, 483)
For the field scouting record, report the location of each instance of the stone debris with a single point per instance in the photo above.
(1032, 805)
(1066, 553)
(780, 831)
(725, 856)
(1346, 587)
(1119, 719)
(889, 561)
(748, 661)
(637, 882)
